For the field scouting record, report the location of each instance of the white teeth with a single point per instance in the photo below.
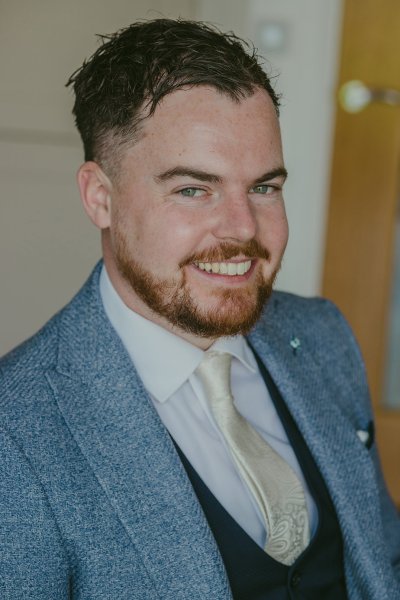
(241, 268)
(225, 268)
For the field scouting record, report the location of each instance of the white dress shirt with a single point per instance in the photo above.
(166, 364)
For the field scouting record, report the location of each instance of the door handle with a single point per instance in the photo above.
(355, 95)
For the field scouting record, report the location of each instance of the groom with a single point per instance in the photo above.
(179, 430)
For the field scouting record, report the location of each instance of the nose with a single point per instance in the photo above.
(235, 219)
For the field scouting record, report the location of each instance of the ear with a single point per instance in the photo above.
(95, 188)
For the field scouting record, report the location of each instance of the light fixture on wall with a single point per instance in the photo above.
(272, 37)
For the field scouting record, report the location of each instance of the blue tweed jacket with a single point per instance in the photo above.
(94, 501)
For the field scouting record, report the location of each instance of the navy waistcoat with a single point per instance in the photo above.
(317, 574)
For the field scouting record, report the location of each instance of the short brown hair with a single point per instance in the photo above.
(134, 68)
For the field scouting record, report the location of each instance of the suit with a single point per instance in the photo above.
(95, 502)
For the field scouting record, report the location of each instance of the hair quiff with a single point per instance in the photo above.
(134, 68)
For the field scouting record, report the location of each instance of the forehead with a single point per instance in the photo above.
(204, 105)
(199, 124)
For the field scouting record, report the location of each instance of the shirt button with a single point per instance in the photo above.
(295, 579)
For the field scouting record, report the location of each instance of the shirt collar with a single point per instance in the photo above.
(163, 360)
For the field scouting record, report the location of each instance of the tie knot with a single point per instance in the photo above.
(215, 374)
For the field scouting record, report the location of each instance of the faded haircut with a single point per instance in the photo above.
(122, 83)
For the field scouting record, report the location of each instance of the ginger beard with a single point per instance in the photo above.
(234, 312)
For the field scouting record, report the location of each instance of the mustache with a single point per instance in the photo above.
(227, 250)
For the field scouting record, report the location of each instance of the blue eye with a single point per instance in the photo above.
(191, 192)
(263, 188)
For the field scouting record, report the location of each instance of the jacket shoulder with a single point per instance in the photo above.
(320, 334)
(38, 351)
(23, 369)
(317, 316)
(315, 307)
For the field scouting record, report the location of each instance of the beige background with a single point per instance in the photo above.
(47, 246)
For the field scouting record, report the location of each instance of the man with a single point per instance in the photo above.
(128, 468)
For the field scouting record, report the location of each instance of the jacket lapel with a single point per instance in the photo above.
(119, 432)
(331, 435)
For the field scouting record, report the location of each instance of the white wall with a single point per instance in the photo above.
(47, 246)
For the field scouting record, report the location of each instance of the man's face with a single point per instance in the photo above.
(198, 225)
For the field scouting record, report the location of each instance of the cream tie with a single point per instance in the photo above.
(274, 484)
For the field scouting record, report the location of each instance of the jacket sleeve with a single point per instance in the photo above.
(33, 562)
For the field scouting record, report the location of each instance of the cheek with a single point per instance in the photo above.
(170, 235)
(274, 229)
(283, 230)
(139, 225)
(185, 224)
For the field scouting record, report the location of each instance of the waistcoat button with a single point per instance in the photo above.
(295, 579)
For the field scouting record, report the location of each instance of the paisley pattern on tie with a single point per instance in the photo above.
(273, 483)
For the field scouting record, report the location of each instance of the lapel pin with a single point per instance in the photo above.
(295, 344)
(366, 436)
(363, 436)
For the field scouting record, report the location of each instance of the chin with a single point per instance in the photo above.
(235, 314)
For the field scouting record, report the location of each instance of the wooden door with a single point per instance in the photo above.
(364, 197)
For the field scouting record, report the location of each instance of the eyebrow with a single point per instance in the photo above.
(278, 172)
(187, 172)
(181, 171)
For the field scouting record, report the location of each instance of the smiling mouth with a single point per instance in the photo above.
(225, 268)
